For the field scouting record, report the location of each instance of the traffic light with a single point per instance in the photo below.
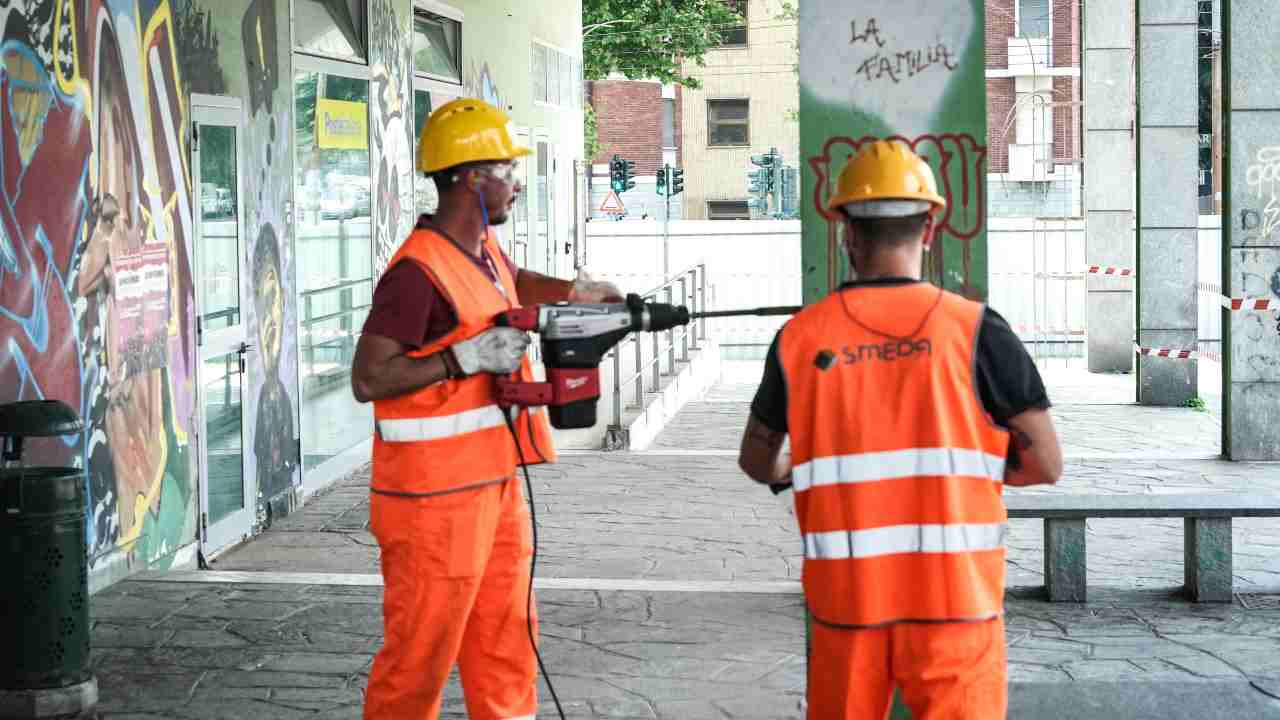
(758, 182)
(628, 175)
(663, 173)
(677, 181)
(616, 180)
(767, 175)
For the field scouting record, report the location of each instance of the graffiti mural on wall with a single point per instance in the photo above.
(95, 287)
(392, 128)
(480, 84)
(960, 164)
(267, 184)
(912, 70)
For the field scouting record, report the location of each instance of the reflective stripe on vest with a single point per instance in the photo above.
(897, 464)
(896, 539)
(438, 428)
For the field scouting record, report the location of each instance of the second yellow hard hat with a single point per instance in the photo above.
(886, 179)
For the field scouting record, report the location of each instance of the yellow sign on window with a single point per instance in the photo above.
(342, 125)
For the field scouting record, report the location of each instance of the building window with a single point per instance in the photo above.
(333, 28)
(437, 46)
(1034, 19)
(728, 210)
(735, 36)
(668, 123)
(557, 77)
(727, 123)
(334, 272)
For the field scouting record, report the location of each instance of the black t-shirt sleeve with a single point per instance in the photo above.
(770, 404)
(1008, 381)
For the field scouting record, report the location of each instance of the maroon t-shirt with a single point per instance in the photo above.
(410, 309)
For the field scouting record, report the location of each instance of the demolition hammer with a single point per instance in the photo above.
(575, 338)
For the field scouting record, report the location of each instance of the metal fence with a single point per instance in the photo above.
(331, 321)
(651, 351)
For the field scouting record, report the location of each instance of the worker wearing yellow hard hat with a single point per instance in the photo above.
(900, 400)
(466, 131)
(448, 515)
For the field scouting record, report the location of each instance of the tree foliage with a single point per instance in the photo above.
(651, 39)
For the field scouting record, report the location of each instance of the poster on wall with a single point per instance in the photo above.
(914, 70)
(342, 125)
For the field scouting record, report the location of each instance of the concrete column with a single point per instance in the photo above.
(1108, 180)
(1251, 266)
(1168, 204)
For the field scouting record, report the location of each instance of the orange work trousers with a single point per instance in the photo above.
(947, 671)
(456, 574)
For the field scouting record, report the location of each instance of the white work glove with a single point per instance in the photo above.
(496, 350)
(586, 290)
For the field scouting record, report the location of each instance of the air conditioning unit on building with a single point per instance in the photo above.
(1029, 56)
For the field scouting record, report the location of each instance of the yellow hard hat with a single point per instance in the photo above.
(464, 131)
(886, 179)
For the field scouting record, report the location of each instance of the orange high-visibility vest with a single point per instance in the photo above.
(452, 435)
(898, 469)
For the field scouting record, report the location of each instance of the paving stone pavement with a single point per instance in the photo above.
(213, 651)
(166, 649)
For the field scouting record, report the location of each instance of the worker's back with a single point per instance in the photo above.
(897, 466)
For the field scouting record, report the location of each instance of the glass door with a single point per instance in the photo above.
(227, 489)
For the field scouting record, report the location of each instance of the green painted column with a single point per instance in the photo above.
(912, 69)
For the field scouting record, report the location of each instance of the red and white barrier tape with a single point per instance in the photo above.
(1248, 304)
(1178, 354)
(1110, 270)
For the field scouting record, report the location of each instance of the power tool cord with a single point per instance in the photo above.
(533, 512)
(533, 563)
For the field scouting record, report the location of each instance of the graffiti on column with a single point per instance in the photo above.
(1258, 223)
(958, 161)
(270, 406)
(910, 70)
(1263, 177)
(95, 288)
(392, 129)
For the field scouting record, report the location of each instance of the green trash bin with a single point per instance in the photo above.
(45, 670)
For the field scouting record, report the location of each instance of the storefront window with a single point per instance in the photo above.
(335, 256)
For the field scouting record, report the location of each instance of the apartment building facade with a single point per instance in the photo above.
(747, 105)
(1033, 107)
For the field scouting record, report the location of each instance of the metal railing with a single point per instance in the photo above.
(692, 293)
(335, 345)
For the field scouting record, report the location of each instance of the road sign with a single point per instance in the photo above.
(612, 204)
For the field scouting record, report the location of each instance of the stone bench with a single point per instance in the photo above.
(1206, 534)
